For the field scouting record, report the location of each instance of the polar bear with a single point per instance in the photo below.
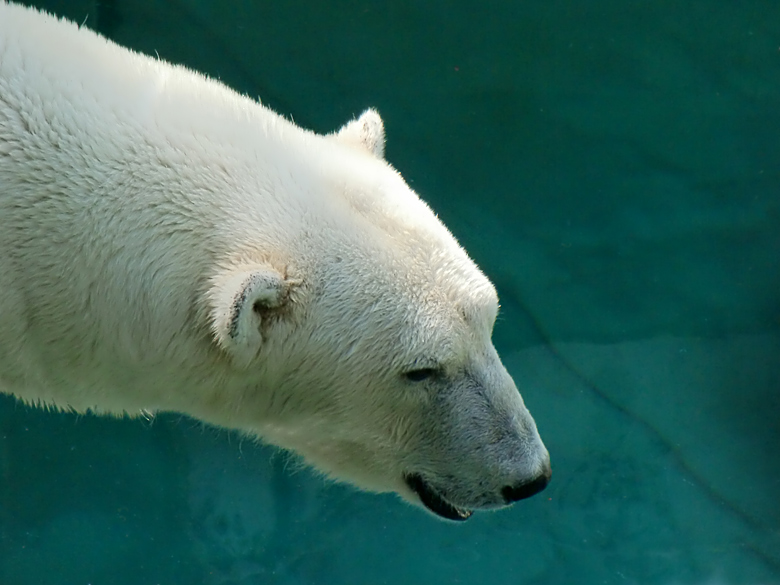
(167, 244)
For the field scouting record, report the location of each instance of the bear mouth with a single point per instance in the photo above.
(434, 501)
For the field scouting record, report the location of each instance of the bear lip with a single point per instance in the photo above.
(432, 500)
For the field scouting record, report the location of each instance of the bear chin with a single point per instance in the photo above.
(432, 500)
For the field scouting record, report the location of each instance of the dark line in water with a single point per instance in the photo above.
(715, 496)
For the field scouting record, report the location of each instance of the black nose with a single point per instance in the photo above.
(513, 493)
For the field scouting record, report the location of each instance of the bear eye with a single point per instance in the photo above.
(420, 374)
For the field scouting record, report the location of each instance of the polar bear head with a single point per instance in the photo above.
(362, 338)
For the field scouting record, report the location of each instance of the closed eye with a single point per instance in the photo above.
(421, 374)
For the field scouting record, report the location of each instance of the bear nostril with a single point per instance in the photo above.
(513, 493)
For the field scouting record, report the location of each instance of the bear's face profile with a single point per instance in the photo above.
(372, 344)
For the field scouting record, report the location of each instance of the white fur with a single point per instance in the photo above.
(167, 244)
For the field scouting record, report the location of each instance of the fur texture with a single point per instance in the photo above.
(168, 244)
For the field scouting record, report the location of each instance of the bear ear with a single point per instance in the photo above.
(367, 132)
(244, 302)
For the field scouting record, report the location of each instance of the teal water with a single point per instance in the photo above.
(614, 167)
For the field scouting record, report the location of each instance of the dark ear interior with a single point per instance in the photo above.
(241, 299)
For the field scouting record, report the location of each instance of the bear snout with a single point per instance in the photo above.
(521, 491)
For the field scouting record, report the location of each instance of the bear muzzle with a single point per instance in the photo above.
(435, 502)
(433, 499)
(521, 491)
